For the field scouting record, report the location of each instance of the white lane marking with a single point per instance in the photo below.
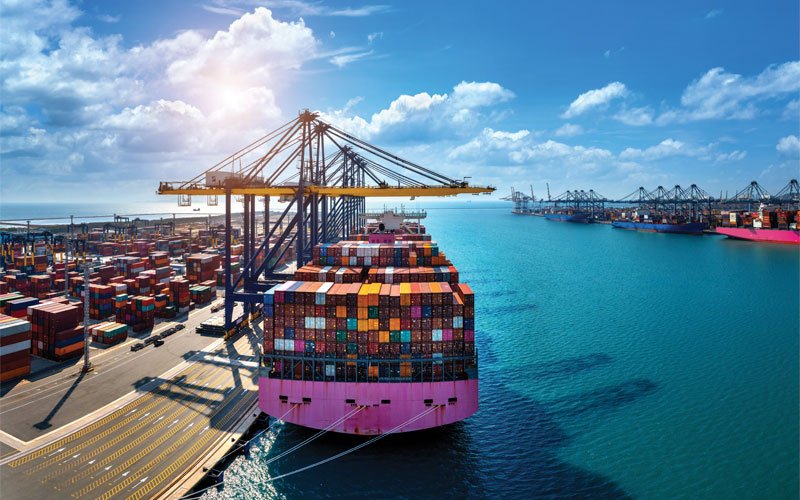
(173, 423)
(188, 427)
(204, 429)
(56, 452)
(132, 411)
(143, 416)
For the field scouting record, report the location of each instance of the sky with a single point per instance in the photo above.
(99, 101)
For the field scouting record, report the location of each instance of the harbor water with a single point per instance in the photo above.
(613, 363)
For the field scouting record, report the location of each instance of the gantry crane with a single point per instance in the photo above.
(324, 175)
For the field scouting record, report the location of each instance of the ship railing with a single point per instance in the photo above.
(395, 370)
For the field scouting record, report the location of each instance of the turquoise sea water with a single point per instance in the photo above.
(613, 363)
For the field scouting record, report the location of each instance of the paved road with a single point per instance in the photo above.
(31, 410)
(140, 449)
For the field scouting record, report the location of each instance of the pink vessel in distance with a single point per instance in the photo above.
(787, 236)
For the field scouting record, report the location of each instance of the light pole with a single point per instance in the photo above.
(87, 365)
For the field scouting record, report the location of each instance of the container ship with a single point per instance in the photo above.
(771, 226)
(645, 220)
(377, 334)
(569, 216)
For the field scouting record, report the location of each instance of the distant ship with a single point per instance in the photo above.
(569, 217)
(770, 226)
(790, 236)
(658, 227)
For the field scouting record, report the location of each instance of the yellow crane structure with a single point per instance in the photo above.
(323, 175)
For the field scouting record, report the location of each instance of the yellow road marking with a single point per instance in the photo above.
(79, 433)
(105, 445)
(135, 458)
(232, 414)
(183, 458)
(147, 434)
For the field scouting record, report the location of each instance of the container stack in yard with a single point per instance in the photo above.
(6, 298)
(202, 267)
(140, 313)
(40, 286)
(109, 332)
(101, 301)
(181, 296)
(18, 308)
(203, 293)
(56, 334)
(15, 347)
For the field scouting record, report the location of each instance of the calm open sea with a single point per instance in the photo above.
(613, 364)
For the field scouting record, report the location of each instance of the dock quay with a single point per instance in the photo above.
(130, 429)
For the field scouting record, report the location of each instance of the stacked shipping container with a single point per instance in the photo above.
(56, 334)
(404, 313)
(109, 332)
(202, 267)
(15, 346)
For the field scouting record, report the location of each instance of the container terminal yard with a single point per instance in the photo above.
(751, 214)
(136, 352)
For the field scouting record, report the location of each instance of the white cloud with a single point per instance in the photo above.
(364, 11)
(595, 98)
(488, 143)
(608, 53)
(635, 116)
(569, 130)
(107, 18)
(301, 8)
(729, 157)
(711, 14)
(792, 110)
(343, 60)
(722, 95)
(666, 148)
(225, 11)
(374, 36)
(101, 107)
(503, 148)
(419, 114)
(789, 145)
(230, 54)
(332, 34)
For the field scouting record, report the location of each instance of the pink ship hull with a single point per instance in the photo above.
(387, 405)
(788, 236)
